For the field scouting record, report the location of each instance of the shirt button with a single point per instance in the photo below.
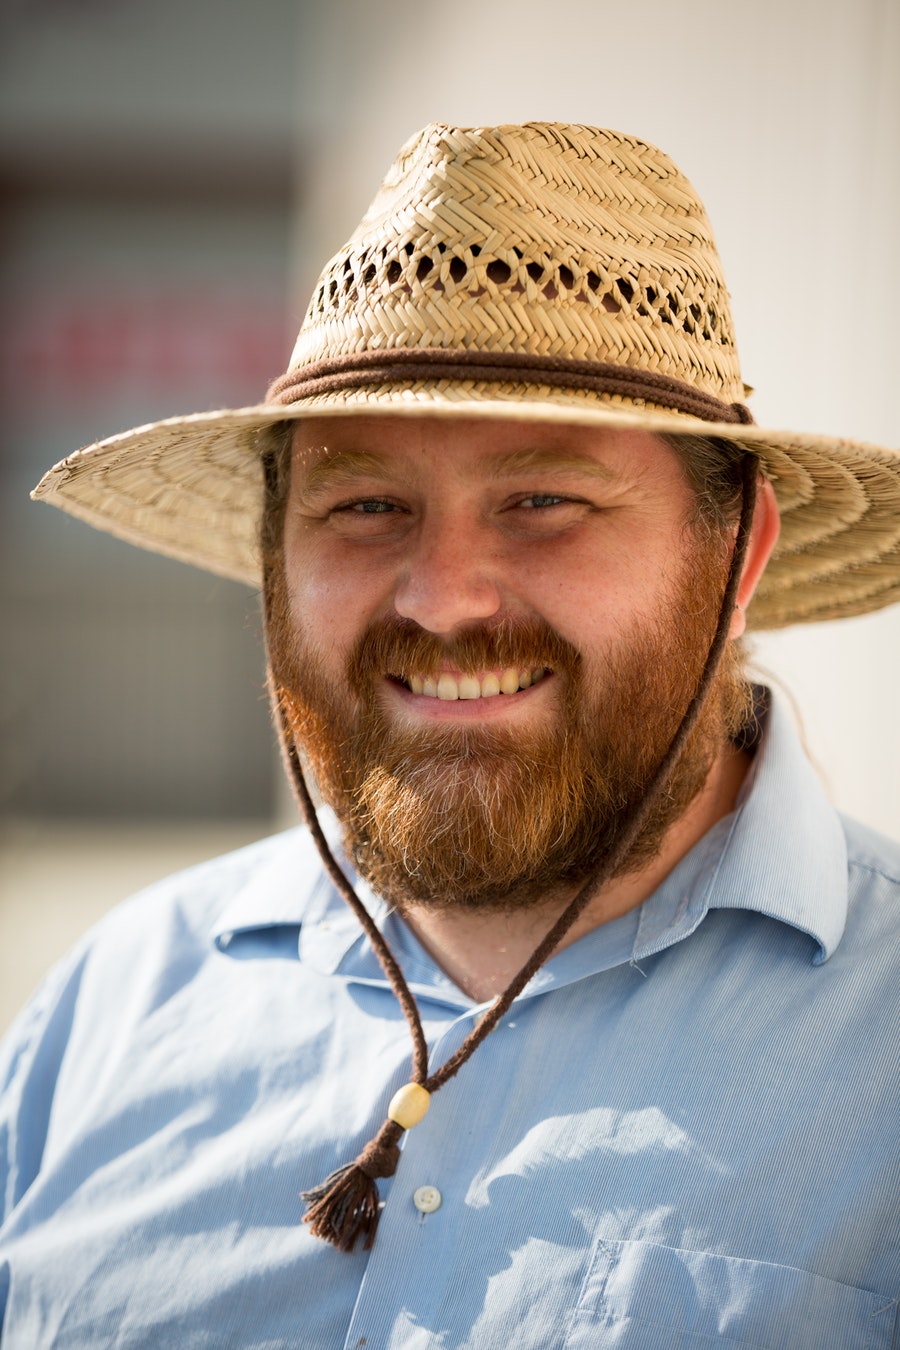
(427, 1199)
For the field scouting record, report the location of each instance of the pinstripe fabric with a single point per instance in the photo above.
(683, 1135)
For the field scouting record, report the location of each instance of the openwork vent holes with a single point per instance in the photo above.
(375, 270)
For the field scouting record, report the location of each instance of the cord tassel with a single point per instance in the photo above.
(346, 1206)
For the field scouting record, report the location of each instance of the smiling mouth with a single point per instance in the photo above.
(452, 687)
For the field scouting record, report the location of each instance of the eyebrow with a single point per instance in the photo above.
(549, 461)
(343, 466)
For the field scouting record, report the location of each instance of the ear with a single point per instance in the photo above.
(763, 538)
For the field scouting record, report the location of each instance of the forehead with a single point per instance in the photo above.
(325, 447)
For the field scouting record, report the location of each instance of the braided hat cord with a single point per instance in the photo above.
(345, 1205)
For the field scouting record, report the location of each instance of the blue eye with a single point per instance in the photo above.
(542, 499)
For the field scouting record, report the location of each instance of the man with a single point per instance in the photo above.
(512, 519)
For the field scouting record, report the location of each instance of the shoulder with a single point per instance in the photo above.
(871, 853)
(188, 906)
(200, 892)
(152, 963)
(873, 900)
(162, 934)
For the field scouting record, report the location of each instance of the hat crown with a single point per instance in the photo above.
(550, 239)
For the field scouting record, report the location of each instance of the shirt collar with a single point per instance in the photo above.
(781, 853)
(281, 890)
(787, 855)
(290, 889)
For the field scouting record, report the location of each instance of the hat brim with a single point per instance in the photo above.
(191, 488)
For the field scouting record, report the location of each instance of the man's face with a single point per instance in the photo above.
(485, 635)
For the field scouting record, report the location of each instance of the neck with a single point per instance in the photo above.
(482, 952)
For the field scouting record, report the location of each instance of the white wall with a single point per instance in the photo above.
(786, 115)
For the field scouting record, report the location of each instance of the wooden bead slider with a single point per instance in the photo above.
(409, 1105)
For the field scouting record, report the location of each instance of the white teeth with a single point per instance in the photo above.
(509, 682)
(449, 688)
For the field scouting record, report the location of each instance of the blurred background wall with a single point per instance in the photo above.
(174, 175)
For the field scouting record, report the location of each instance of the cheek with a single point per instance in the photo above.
(594, 600)
(331, 601)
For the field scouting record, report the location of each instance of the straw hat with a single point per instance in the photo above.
(544, 272)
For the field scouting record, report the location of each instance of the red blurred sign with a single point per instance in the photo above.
(88, 348)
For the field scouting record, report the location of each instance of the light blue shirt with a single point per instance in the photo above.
(684, 1133)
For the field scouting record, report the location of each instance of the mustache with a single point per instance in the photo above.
(399, 647)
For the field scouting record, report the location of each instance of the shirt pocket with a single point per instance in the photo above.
(638, 1296)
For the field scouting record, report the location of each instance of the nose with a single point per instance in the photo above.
(449, 576)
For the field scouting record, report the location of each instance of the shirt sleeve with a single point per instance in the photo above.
(31, 1056)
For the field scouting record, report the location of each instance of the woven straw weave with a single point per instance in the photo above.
(560, 246)
(459, 250)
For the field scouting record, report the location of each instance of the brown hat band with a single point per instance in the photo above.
(356, 369)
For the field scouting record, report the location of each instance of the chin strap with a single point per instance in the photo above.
(345, 1206)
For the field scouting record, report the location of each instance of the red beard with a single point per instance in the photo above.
(496, 818)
